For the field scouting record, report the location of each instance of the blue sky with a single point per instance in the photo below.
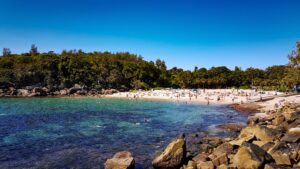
(184, 33)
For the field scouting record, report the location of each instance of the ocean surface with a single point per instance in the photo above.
(83, 132)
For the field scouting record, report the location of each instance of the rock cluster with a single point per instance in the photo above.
(76, 90)
(268, 142)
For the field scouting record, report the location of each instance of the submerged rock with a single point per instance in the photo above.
(235, 127)
(121, 160)
(172, 157)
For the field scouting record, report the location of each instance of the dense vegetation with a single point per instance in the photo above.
(127, 71)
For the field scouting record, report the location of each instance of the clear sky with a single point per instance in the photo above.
(184, 33)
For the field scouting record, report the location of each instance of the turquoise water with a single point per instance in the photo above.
(84, 132)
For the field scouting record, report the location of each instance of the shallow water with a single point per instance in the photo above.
(84, 132)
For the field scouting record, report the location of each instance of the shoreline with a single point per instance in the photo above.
(269, 140)
(203, 96)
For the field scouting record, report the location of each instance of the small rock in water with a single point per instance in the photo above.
(121, 160)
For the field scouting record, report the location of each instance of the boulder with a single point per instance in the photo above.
(109, 91)
(266, 134)
(250, 156)
(292, 136)
(205, 165)
(29, 87)
(23, 92)
(278, 120)
(172, 157)
(215, 141)
(38, 91)
(280, 153)
(121, 160)
(265, 145)
(275, 166)
(93, 92)
(81, 92)
(288, 110)
(223, 166)
(75, 88)
(252, 120)
(246, 134)
(226, 148)
(1, 93)
(12, 91)
(191, 165)
(205, 148)
(261, 133)
(220, 159)
(292, 124)
(63, 92)
(202, 157)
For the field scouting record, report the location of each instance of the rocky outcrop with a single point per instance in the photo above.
(38, 90)
(172, 157)
(121, 160)
(270, 141)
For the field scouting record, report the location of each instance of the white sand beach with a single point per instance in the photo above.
(203, 96)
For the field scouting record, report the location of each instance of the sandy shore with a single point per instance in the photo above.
(203, 96)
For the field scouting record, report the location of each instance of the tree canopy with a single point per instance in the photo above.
(129, 71)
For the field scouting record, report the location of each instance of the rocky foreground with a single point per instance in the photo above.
(270, 141)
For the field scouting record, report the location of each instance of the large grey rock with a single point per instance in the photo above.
(121, 160)
(172, 157)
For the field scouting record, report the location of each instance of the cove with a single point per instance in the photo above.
(84, 132)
